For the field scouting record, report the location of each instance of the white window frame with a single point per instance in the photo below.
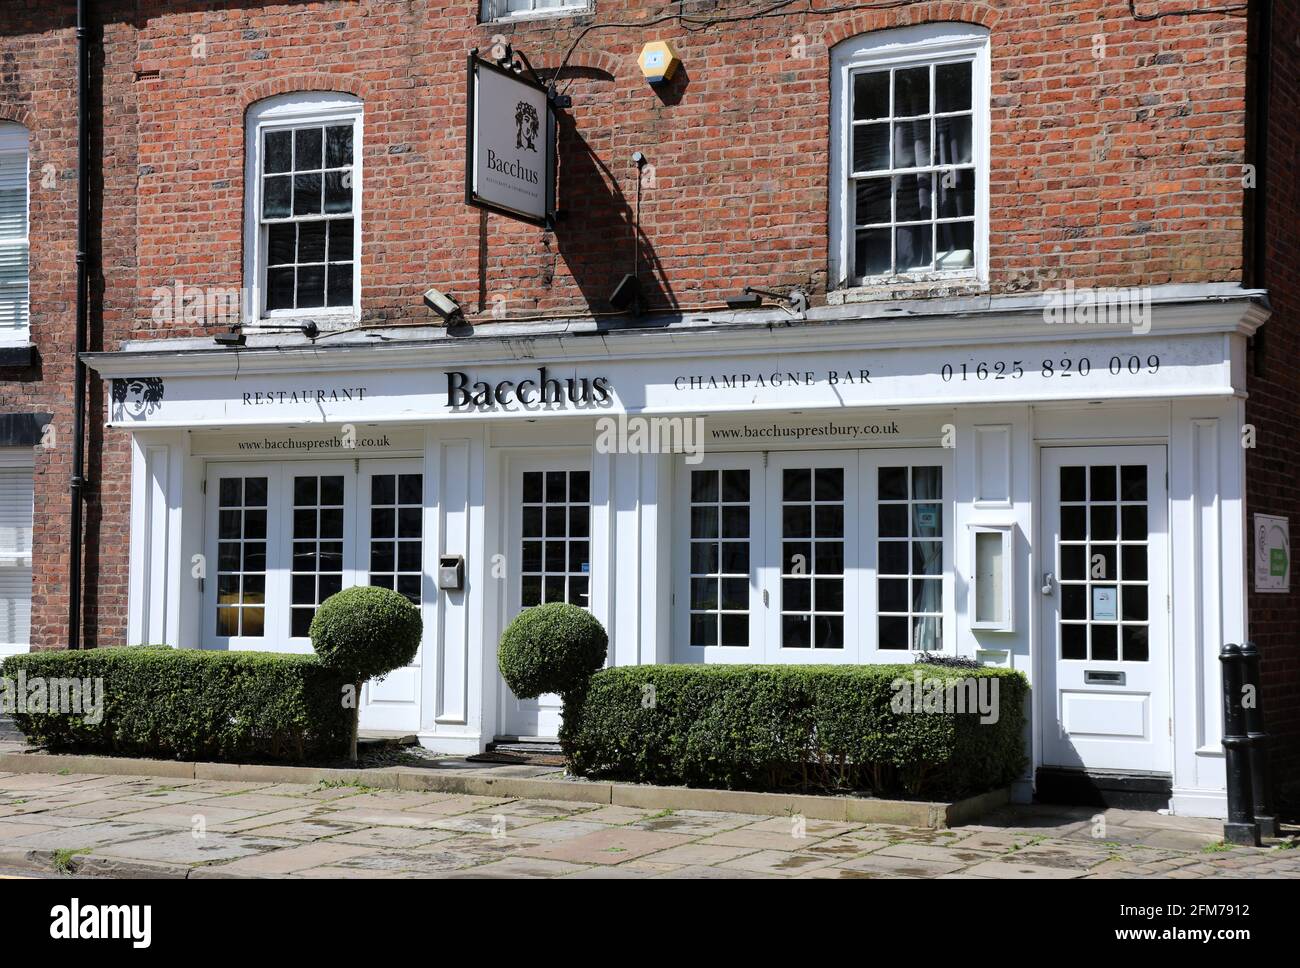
(16, 140)
(869, 475)
(683, 651)
(861, 593)
(492, 11)
(915, 46)
(288, 111)
(24, 459)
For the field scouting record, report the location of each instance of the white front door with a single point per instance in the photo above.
(550, 549)
(1105, 631)
(390, 553)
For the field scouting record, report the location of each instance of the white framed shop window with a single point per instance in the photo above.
(910, 590)
(527, 9)
(830, 556)
(302, 208)
(14, 227)
(992, 577)
(282, 538)
(910, 156)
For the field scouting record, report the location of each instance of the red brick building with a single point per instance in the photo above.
(927, 179)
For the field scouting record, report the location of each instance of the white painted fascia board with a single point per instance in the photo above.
(1242, 315)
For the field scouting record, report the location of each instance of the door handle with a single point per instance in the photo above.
(1049, 580)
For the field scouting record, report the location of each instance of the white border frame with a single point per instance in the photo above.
(1007, 623)
(905, 47)
(288, 111)
(547, 705)
(488, 14)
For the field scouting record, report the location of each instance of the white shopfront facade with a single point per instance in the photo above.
(1063, 500)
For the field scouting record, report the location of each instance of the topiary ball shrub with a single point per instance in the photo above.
(364, 632)
(551, 648)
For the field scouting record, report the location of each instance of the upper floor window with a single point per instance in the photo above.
(13, 233)
(520, 9)
(909, 156)
(303, 214)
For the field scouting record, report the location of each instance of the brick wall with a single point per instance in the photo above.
(38, 69)
(1118, 169)
(1272, 484)
(1116, 146)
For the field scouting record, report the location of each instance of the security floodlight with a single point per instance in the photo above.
(746, 300)
(443, 305)
(627, 294)
(232, 337)
(751, 297)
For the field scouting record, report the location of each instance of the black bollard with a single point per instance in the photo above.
(1240, 828)
(1261, 775)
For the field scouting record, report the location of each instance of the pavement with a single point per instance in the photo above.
(136, 826)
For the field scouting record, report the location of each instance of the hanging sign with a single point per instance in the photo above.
(510, 144)
(1272, 553)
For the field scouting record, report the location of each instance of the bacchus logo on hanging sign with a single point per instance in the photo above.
(541, 392)
(510, 163)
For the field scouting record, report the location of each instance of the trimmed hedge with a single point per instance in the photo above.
(551, 648)
(193, 704)
(811, 728)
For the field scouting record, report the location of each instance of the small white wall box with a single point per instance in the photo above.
(992, 577)
(659, 61)
(451, 572)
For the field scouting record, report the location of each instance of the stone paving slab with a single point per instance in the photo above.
(187, 848)
(124, 826)
(611, 845)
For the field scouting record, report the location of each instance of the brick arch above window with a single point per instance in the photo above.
(599, 61)
(15, 113)
(301, 84)
(939, 11)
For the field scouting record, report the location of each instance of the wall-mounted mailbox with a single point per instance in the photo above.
(451, 572)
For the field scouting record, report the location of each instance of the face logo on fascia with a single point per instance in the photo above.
(137, 397)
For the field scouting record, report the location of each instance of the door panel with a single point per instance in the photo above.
(720, 615)
(813, 565)
(244, 581)
(1105, 617)
(320, 525)
(550, 539)
(390, 554)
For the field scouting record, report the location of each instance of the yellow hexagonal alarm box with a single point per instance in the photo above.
(659, 62)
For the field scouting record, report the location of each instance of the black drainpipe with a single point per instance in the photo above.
(1263, 82)
(83, 284)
